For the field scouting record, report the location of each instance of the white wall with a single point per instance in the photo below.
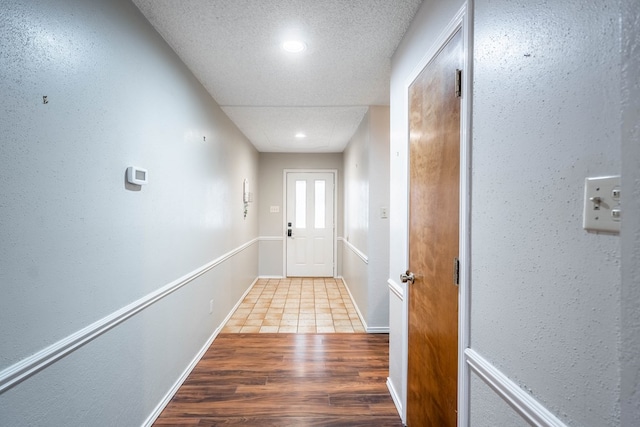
(378, 250)
(545, 294)
(270, 181)
(502, 414)
(78, 245)
(355, 242)
(365, 246)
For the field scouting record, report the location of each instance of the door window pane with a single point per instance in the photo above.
(320, 207)
(301, 204)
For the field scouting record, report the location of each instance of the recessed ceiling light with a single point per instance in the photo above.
(294, 46)
(300, 135)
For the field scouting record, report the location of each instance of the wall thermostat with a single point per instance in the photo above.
(137, 176)
(246, 196)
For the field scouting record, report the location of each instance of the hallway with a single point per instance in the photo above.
(283, 359)
(144, 178)
(287, 380)
(296, 305)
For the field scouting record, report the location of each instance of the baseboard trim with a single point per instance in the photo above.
(29, 366)
(377, 329)
(522, 402)
(355, 250)
(367, 328)
(395, 397)
(235, 307)
(271, 277)
(360, 316)
(185, 374)
(176, 386)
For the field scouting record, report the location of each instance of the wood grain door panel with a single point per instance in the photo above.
(434, 126)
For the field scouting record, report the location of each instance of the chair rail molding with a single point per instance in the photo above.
(31, 365)
(355, 250)
(396, 289)
(271, 238)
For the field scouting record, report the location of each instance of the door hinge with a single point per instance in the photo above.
(459, 83)
(456, 271)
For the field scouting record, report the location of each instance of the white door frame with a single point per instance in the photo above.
(284, 214)
(462, 21)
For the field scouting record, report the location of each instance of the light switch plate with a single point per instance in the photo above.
(602, 204)
(274, 209)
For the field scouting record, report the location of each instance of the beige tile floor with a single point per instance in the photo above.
(295, 305)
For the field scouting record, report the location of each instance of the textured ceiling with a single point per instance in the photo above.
(233, 48)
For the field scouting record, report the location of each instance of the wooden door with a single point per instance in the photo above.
(310, 224)
(434, 127)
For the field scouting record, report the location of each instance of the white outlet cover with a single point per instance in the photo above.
(602, 204)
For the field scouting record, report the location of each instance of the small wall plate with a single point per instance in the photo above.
(602, 204)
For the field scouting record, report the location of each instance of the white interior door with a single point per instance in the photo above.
(310, 224)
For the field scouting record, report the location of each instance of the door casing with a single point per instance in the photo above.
(284, 214)
(462, 20)
(434, 154)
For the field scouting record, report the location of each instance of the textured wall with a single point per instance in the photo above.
(545, 293)
(546, 114)
(501, 414)
(77, 243)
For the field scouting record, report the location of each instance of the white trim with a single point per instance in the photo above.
(461, 21)
(335, 214)
(522, 402)
(235, 307)
(29, 366)
(396, 289)
(464, 296)
(377, 329)
(367, 328)
(394, 396)
(185, 374)
(176, 386)
(355, 250)
(271, 277)
(364, 322)
(435, 48)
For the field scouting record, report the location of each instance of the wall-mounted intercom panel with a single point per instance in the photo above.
(137, 176)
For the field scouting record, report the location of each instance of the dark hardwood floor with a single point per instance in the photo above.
(287, 380)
